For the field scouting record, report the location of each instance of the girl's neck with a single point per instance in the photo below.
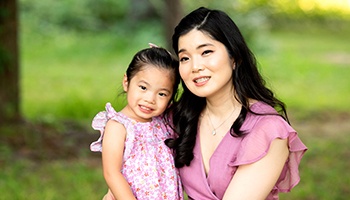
(130, 114)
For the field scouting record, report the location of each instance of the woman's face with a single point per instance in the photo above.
(205, 65)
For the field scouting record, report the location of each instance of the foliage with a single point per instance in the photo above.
(69, 72)
(310, 72)
(284, 13)
(73, 14)
(72, 75)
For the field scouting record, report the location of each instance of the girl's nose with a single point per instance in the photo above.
(149, 98)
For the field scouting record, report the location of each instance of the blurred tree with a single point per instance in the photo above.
(171, 17)
(140, 9)
(9, 64)
(170, 12)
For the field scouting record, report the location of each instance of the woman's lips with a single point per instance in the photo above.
(201, 80)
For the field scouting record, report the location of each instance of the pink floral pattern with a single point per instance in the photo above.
(148, 164)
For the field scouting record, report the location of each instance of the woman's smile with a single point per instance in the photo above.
(201, 80)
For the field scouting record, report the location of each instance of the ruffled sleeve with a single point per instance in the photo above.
(99, 123)
(256, 144)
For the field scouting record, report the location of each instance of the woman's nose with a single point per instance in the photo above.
(197, 66)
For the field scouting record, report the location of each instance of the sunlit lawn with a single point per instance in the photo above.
(309, 69)
(69, 78)
(69, 179)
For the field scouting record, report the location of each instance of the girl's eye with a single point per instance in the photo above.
(142, 87)
(162, 94)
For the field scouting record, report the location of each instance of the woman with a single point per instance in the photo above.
(234, 138)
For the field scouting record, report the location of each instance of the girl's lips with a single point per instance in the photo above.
(145, 109)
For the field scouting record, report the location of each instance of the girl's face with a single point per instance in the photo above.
(205, 65)
(148, 93)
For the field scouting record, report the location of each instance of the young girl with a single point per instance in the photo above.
(136, 162)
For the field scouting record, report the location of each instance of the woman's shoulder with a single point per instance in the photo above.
(261, 107)
(264, 117)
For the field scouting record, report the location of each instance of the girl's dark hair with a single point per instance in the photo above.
(157, 57)
(247, 81)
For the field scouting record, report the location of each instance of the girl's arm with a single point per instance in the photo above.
(256, 180)
(112, 160)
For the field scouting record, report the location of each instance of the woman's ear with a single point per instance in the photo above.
(125, 83)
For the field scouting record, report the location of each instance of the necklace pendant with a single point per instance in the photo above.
(213, 132)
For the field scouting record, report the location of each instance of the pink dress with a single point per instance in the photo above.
(235, 151)
(148, 164)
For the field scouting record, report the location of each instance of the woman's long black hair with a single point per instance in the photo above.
(247, 81)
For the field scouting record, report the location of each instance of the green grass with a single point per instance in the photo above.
(71, 76)
(309, 70)
(74, 180)
(324, 168)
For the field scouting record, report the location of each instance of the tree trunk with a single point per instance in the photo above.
(9, 64)
(172, 15)
(140, 10)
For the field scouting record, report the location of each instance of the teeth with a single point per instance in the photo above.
(201, 80)
(145, 108)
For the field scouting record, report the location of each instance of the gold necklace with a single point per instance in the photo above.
(214, 129)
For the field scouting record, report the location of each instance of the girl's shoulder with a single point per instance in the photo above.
(100, 121)
(111, 114)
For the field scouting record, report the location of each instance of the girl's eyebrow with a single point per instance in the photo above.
(165, 89)
(144, 82)
(200, 46)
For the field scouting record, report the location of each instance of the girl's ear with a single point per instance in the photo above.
(125, 83)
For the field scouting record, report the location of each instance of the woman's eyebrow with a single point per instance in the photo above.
(198, 47)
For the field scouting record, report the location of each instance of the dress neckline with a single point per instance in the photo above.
(133, 120)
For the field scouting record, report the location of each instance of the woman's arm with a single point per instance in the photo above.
(112, 160)
(256, 180)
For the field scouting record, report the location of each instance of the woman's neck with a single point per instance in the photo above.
(222, 105)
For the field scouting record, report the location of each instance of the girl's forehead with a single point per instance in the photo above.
(155, 77)
(152, 67)
(155, 72)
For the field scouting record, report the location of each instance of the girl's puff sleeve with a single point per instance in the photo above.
(99, 123)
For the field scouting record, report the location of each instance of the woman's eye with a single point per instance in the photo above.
(207, 52)
(183, 59)
(142, 87)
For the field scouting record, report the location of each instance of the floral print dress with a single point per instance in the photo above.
(148, 164)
